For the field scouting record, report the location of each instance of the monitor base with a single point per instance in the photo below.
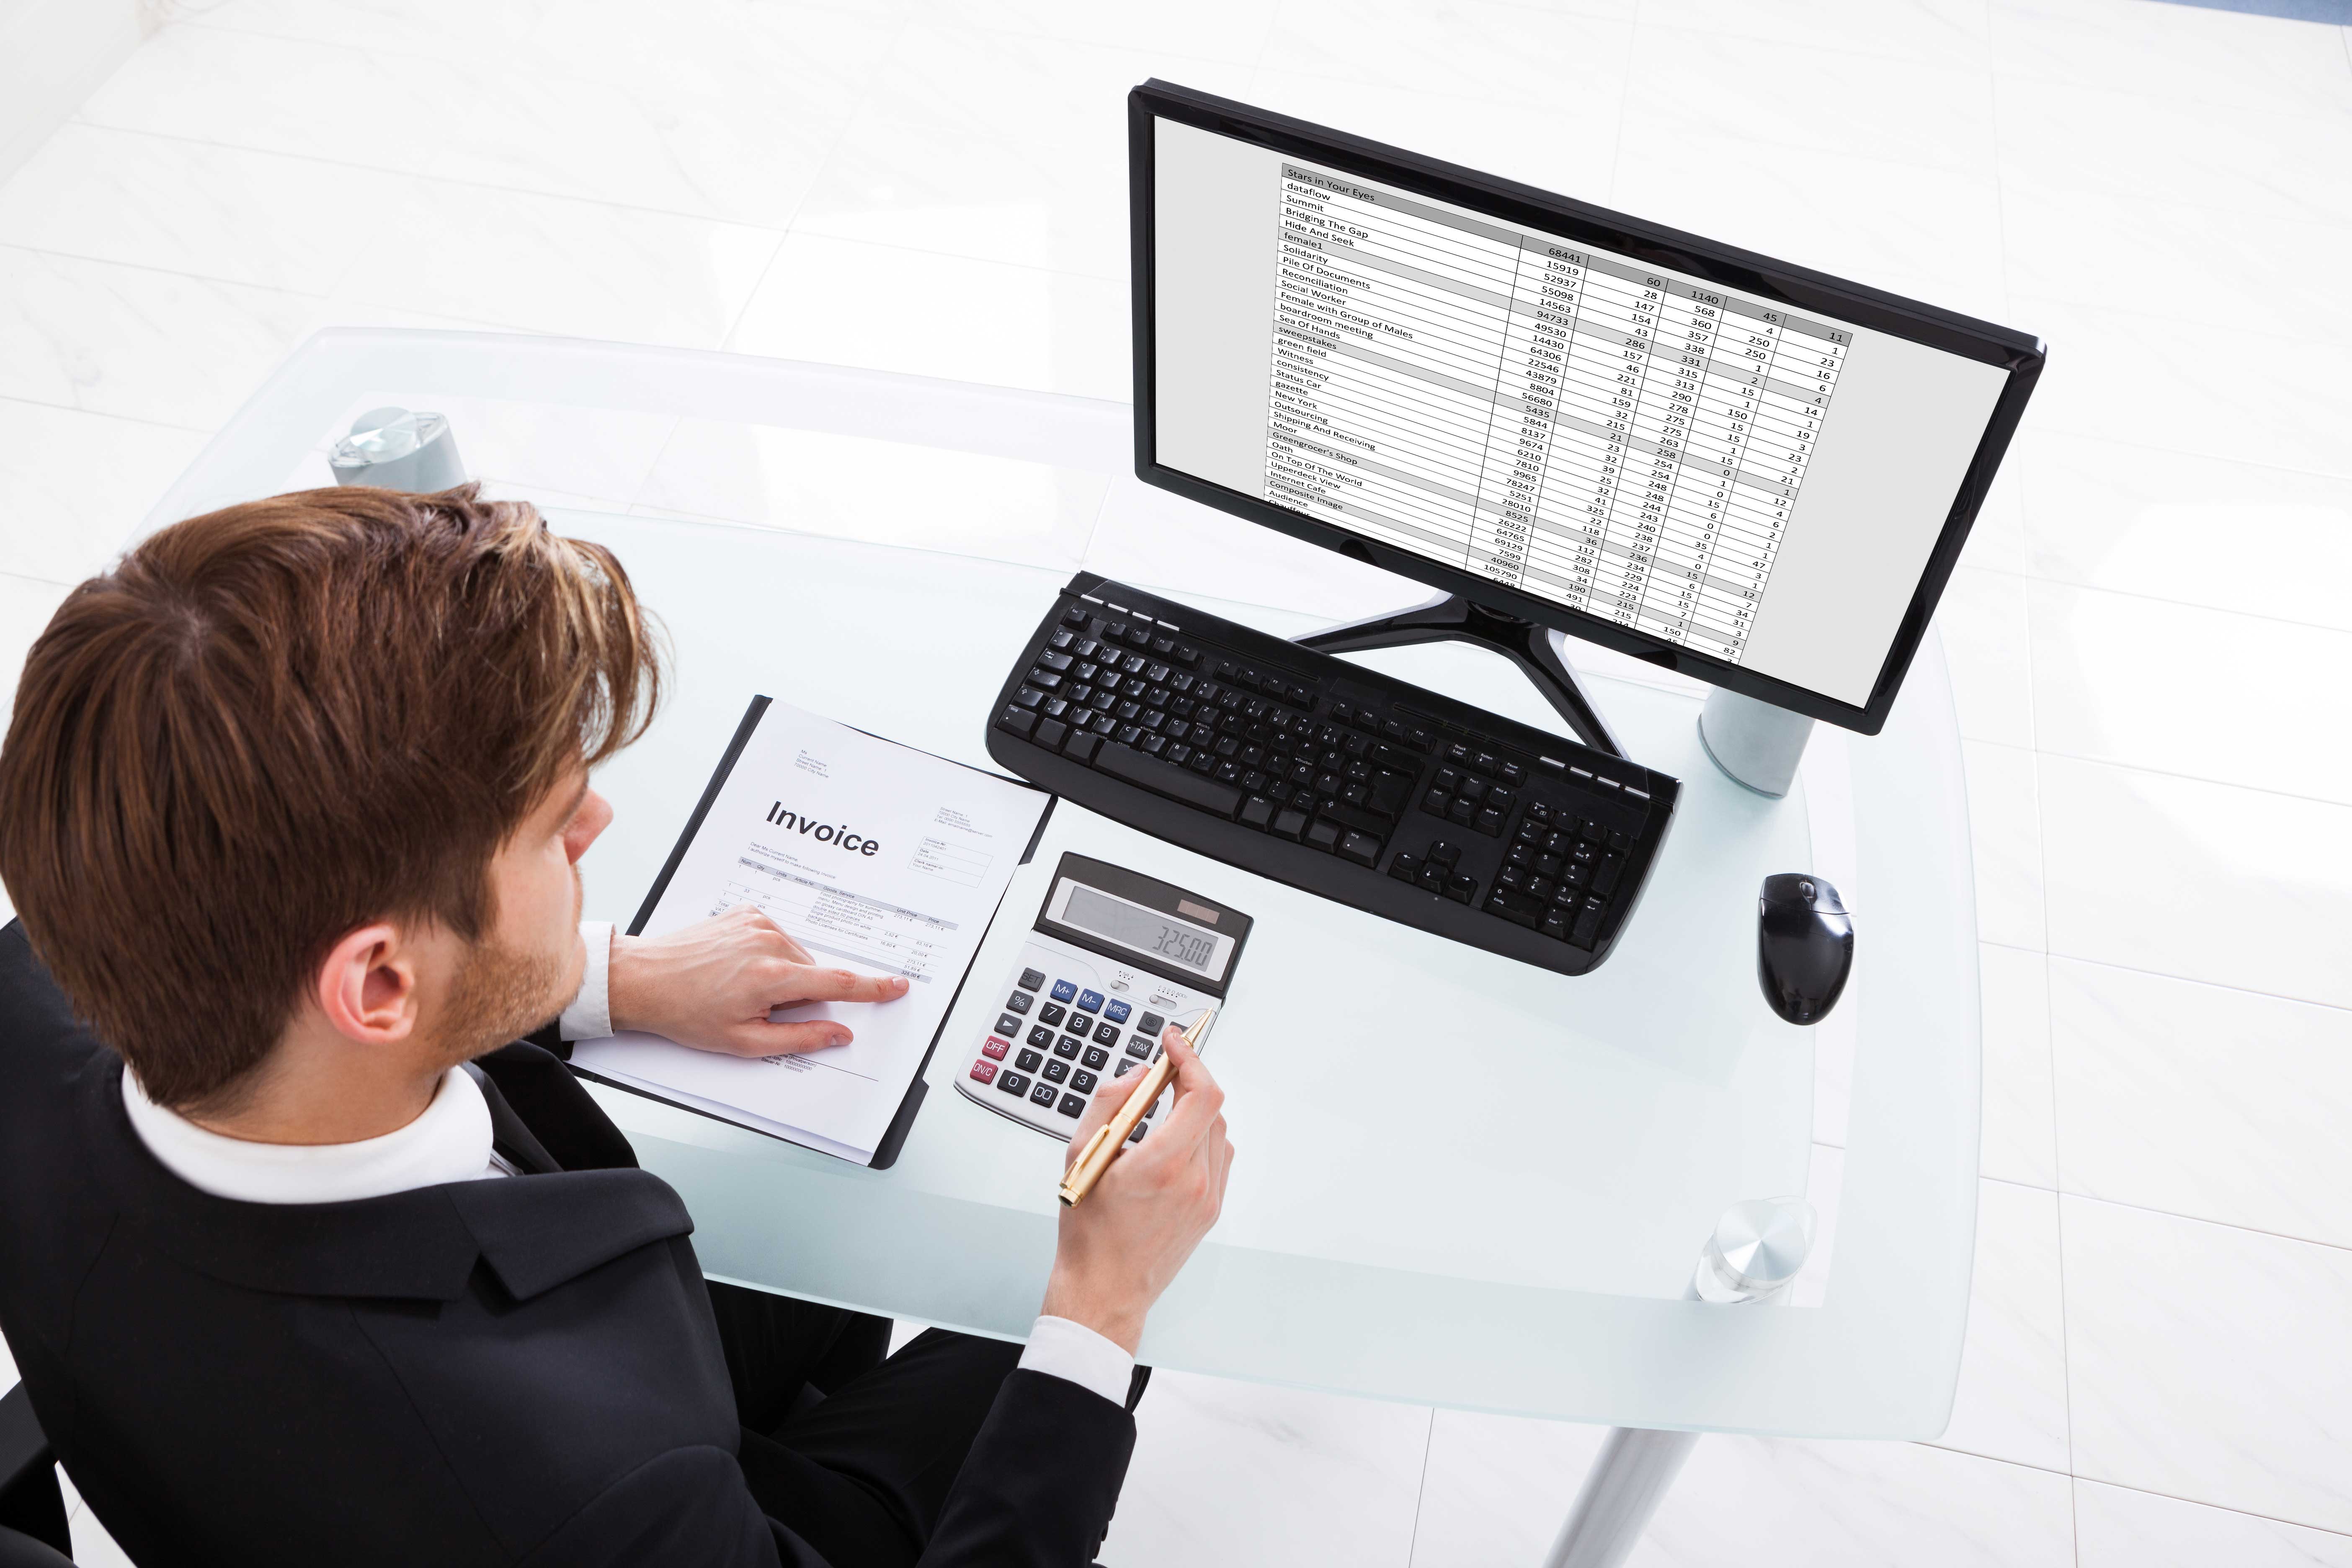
(1756, 744)
(1449, 617)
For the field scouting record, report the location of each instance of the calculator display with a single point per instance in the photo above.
(1145, 931)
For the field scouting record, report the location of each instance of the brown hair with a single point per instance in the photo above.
(271, 724)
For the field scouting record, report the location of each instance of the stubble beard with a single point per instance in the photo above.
(503, 993)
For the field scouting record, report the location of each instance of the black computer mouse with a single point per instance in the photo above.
(1804, 945)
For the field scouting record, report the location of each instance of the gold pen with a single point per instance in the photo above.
(1111, 1136)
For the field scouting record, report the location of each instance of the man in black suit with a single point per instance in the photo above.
(302, 1262)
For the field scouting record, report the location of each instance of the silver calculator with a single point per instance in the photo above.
(1114, 957)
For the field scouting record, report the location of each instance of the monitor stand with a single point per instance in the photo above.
(1449, 617)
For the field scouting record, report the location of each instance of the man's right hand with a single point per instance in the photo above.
(1122, 1245)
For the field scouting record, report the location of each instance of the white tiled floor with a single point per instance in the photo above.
(2149, 634)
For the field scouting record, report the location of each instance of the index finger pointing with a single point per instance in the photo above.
(843, 986)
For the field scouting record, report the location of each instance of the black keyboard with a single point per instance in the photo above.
(1319, 773)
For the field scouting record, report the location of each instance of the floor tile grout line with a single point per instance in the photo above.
(398, 172)
(1420, 1489)
(2217, 1507)
(2167, 974)
(7, 397)
(160, 272)
(2031, 576)
(2201, 1219)
(2054, 752)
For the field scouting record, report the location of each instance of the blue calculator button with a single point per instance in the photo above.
(1090, 1001)
(1115, 1012)
(1064, 991)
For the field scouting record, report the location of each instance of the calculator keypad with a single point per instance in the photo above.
(1061, 1034)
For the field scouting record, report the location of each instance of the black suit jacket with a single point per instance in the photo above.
(524, 1371)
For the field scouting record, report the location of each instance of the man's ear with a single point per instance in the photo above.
(367, 987)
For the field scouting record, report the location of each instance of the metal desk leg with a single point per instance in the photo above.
(1750, 1259)
(1622, 1490)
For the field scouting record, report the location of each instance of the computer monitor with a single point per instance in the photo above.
(1745, 471)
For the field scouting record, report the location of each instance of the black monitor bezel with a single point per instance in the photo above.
(2019, 354)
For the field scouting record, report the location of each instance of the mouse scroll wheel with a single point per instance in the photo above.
(1805, 890)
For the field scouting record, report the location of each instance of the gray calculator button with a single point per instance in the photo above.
(1150, 1023)
(1019, 1002)
(1052, 1013)
(1042, 1037)
(1096, 1057)
(1068, 1046)
(1140, 1048)
(1008, 1025)
(1106, 1034)
(1043, 1094)
(1071, 1104)
(1030, 978)
(1028, 1061)
(1057, 1071)
(1083, 1082)
(1013, 1083)
(1137, 1136)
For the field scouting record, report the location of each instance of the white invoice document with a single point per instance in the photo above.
(874, 857)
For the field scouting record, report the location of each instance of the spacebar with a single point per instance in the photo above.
(1168, 779)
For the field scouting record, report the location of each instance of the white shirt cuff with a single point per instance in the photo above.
(1075, 1354)
(590, 1016)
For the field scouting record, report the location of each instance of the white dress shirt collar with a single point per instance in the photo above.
(450, 1142)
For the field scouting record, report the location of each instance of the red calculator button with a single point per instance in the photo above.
(995, 1048)
(984, 1071)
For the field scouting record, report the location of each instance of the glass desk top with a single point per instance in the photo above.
(1460, 1181)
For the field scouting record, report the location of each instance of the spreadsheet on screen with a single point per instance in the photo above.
(1759, 484)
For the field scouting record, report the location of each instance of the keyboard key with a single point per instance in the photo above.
(1555, 925)
(1490, 822)
(1076, 615)
(1096, 1056)
(1405, 868)
(1020, 721)
(1516, 907)
(1018, 1002)
(1052, 1013)
(1081, 748)
(1473, 789)
(1065, 991)
(1460, 811)
(1513, 773)
(994, 1049)
(1605, 875)
(1389, 792)
(1151, 1023)
(1084, 1082)
(1007, 1024)
(1435, 802)
(1512, 877)
(1433, 875)
(1462, 889)
(1443, 853)
(1160, 778)
(1360, 848)
(1042, 1037)
(1067, 1048)
(1013, 1083)
(984, 1071)
(1072, 1106)
(1256, 811)
(1052, 733)
(1587, 927)
(1289, 823)
(1115, 1012)
(1044, 1094)
(1029, 1061)
(1323, 834)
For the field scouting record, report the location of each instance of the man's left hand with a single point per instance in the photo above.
(710, 985)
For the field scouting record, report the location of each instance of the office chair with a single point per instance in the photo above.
(33, 1531)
